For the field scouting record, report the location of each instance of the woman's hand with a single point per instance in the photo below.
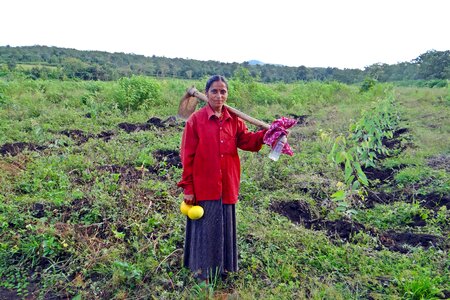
(188, 95)
(188, 199)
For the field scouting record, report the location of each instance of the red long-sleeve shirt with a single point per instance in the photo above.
(209, 155)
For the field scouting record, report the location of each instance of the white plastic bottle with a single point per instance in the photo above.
(276, 150)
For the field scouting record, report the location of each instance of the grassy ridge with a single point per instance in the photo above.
(89, 204)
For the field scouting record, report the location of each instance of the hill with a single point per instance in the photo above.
(254, 62)
(36, 62)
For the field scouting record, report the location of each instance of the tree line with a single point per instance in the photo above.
(62, 63)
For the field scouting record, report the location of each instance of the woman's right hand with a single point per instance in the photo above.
(188, 199)
(188, 95)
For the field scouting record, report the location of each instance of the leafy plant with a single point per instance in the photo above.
(347, 155)
(367, 84)
(124, 272)
(364, 143)
(420, 285)
(3, 99)
(137, 92)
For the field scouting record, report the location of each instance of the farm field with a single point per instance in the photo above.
(89, 207)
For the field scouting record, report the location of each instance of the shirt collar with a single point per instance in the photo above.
(210, 111)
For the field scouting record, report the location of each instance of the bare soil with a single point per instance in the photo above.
(151, 123)
(128, 174)
(343, 230)
(81, 137)
(14, 149)
(440, 162)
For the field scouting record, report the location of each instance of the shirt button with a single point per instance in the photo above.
(220, 128)
(221, 141)
(221, 155)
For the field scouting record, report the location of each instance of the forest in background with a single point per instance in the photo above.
(61, 63)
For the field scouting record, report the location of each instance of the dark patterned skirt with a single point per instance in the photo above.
(210, 247)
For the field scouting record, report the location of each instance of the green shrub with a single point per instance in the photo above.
(3, 86)
(368, 84)
(138, 91)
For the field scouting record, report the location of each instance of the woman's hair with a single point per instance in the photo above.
(213, 79)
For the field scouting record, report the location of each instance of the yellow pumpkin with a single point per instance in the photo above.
(185, 208)
(196, 212)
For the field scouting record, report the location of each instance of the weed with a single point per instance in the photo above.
(419, 285)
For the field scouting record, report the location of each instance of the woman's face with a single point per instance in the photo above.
(217, 95)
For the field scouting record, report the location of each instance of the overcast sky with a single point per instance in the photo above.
(313, 33)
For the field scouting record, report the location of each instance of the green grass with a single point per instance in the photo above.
(100, 219)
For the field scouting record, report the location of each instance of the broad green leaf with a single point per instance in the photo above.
(339, 195)
(341, 208)
(357, 166)
(350, 179)
(348, 169)
(352, 212)
(348, 156)
(362, 177)
(340, 157)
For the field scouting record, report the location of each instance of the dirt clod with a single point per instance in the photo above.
(440, 162)
(168, 157)
(434, 200)
(153, 122)
(77, 135)
(14, 149)
(299, 213)
(296, 211)
(106, 135)
(379, 197)
(128, 174)
(401, 242)
(130, 127)
(38, 210)
(379, 174)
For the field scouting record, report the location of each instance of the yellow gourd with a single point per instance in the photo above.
(196, 212)
(185, 208)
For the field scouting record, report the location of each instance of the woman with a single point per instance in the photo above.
(210, 178)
